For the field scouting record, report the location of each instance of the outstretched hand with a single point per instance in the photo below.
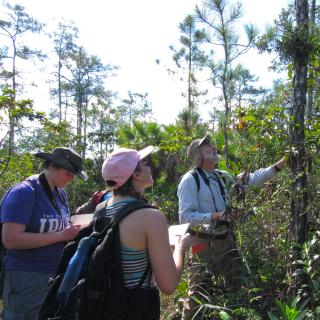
(290, 155)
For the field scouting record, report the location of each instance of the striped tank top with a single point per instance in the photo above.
(134, 262)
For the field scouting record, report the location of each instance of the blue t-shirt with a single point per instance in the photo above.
(27, 203)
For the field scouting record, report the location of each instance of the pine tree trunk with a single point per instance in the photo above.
(12, 119)
(59, 91)
(225, 126)
(79, 121)
(299, 201)
(85, 130)
(311, 73)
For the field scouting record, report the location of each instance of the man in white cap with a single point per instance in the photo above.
(204, 199)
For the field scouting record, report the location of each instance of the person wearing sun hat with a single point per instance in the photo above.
(204, 195)
(122, 163)
(35, 219)
(100, 198)
(143, 234)
(65, 158)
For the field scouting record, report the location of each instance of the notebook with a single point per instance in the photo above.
(176, 231)
(82, 219)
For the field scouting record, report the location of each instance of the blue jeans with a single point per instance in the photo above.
(23, 294)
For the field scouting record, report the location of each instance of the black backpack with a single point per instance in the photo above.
(89, 282)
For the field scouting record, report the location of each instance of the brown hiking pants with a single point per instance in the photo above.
(221, 258)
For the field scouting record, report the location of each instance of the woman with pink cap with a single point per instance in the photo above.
(144, 233)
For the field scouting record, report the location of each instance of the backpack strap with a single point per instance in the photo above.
(99, 214)
(97, 197)
(221, 175)
(203, 176)
(129, 208)
(196, 178)
(207, 182)
(101, 205)
(44, 182)
(194, 173)
(221, 187)
(120, 215)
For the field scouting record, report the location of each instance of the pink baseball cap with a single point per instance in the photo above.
(121, 163)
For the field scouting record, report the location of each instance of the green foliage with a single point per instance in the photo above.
(256, 128)
(191, 59)
(308, 267)
(15, 114)
(17, 23)
(220, 19)
(259, 137)
(289, 311)
(18, 109)
(139, 134)
(14, 169)
(51, 135)
(290, 41)
(134, 108)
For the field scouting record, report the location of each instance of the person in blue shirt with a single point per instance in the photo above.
(35, 227)
(204, 207)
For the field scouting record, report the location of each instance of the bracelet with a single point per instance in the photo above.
(276, 168)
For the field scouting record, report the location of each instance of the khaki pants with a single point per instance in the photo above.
(221, 258)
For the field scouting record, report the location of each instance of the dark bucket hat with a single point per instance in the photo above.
(65, 158)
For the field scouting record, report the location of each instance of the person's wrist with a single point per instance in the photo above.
(276, 168)
(59, 236)
(180, 248)
(215, 216)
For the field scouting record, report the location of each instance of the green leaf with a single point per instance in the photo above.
(224, 316)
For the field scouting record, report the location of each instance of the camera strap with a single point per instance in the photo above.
(44, 182)
(207, 182)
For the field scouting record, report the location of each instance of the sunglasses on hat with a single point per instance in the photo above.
(147, 161)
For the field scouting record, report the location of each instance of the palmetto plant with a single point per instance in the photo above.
(289, 311)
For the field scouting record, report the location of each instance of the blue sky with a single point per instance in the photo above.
(133, 34)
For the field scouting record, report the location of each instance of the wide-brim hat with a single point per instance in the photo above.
(65, 158)
(193, 150)
(196, 144)
(121, 164)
